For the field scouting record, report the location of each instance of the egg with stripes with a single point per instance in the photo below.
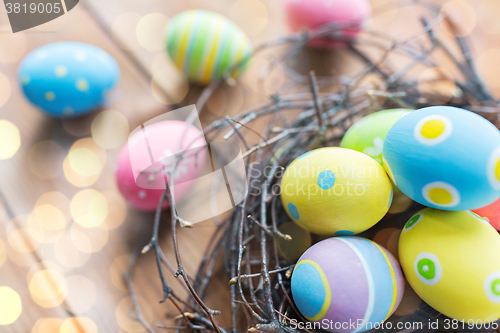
(335, 191)
(205, 45)
(68, 79)
(351, 282)
(450, 259)
(444, 157)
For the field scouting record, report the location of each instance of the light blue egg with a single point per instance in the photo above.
(68, 79)
(445, 157)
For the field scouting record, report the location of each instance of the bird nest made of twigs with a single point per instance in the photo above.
(245, 243)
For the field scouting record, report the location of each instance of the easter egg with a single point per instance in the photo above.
(444, 157)
(348, 281)
(68, 79)
(205, 45)
(367, 135)
(451, 261)
(311, 14)
(335, 191)
(492, 212)
(169, 134)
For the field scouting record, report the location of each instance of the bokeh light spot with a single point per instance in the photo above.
(462, 18)
(89, 240)
(48, 288)
(110, 129)
(89, 208)
(11, 306)
(81, 294)
(21, 241)
(149, 31)
(50, 217)
(79, 170)
(85, 162)
(47, 325)
(78, 325)
(117, 209)
(10, 139)
(67, 254)
(169, 85)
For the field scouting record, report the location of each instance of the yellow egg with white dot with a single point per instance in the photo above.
(452, 261)
(335, 191)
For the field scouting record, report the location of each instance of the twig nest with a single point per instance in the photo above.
(349, 15)
(298, 242)
(348, 281)
(451, 261)
(205, 44)
(68, 79)
(444, 157)
(491, 212)
(142, 181)
(335, 191)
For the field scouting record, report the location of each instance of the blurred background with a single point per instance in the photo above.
(66, 233)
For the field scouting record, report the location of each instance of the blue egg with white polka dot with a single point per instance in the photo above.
(68, 79)
(444, 157)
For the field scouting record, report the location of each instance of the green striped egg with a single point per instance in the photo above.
(205, 45)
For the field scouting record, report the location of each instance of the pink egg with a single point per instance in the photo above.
(492, 212)
(311, 14)
(163, 139)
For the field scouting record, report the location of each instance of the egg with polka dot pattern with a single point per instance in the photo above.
(367, 135)
(491, 212)
(450, 259)
(170, 134)
(68, 79)
(444, 157)
(205, 45)
(335, 191)
(311, 14)
(343, 280)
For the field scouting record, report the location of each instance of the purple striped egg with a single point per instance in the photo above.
(348, 284)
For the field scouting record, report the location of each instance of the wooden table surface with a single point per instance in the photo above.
(69, 276)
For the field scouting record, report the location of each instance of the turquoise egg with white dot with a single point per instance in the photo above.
(68, 79)
(444, 157)
(335, 191)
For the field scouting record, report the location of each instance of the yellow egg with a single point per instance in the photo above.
(451, 260)
(335, 191)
